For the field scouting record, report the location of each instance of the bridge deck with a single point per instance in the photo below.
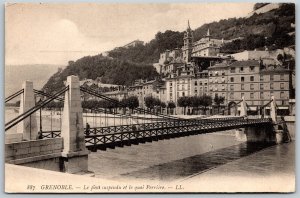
(112, 136)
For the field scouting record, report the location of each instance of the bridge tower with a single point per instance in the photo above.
(28, 126)
(75, 154)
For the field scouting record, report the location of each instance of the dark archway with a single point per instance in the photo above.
(232, 108)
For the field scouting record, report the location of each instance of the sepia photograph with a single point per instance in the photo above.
(150, 97)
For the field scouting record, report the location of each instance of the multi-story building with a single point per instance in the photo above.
(199, 84)
(217, 80)
(207, 46)
(143, 89)
(249, 79)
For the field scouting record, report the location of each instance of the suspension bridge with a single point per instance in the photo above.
(70, 142)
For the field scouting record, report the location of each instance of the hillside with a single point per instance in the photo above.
(111, 71)
(124, 65)
(274, 25)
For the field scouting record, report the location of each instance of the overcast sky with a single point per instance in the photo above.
(57, 33)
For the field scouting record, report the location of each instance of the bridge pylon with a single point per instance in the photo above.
(28, 126)
(75, 154)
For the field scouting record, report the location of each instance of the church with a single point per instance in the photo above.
(197, 54)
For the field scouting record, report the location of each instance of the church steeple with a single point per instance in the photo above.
(188, 27)
(187, 43)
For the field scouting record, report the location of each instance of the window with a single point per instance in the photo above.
(183, 94)
(261, 95)
(241, 69)
(242, 87)
(261, 77)
(231, 79)
(231, 95)
(252, 68)
(171, 89)
(251, 95)
(251, 86)
(242, 79)
(281, 76)
(261, 86)
(205, 89)
(170, 94)
(281, 85)
(196, 83)
(196, 90)
(210, 74)
(231, 87)
(232, 70)
(271, 77)
(170, 84)
(242, 94)
(200, 83)
(251, 78)
(271, 86)
(282, 94)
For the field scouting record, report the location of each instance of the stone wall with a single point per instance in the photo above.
(35, 150)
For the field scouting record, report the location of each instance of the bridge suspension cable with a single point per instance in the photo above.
(9, 98)
(39, 92)
(32, 110)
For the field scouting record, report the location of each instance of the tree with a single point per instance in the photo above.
(132, 102)
(218, 101)
(196, 102)
(171, 106)
(162, 106)
(184, 102)
(206, 102)
(150, 102)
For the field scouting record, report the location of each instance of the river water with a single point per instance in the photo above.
(167, 160)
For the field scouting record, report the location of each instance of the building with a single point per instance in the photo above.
(266, 8)
(134, 43)
(199, 85)
(207, 46)
(152, 88)
(217, 80)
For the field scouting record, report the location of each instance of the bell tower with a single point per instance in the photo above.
(188, 44)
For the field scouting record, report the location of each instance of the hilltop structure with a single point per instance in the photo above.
(134, 43)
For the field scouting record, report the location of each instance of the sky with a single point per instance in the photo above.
(58, 33)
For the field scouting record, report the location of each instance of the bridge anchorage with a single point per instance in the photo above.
(49, 131)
